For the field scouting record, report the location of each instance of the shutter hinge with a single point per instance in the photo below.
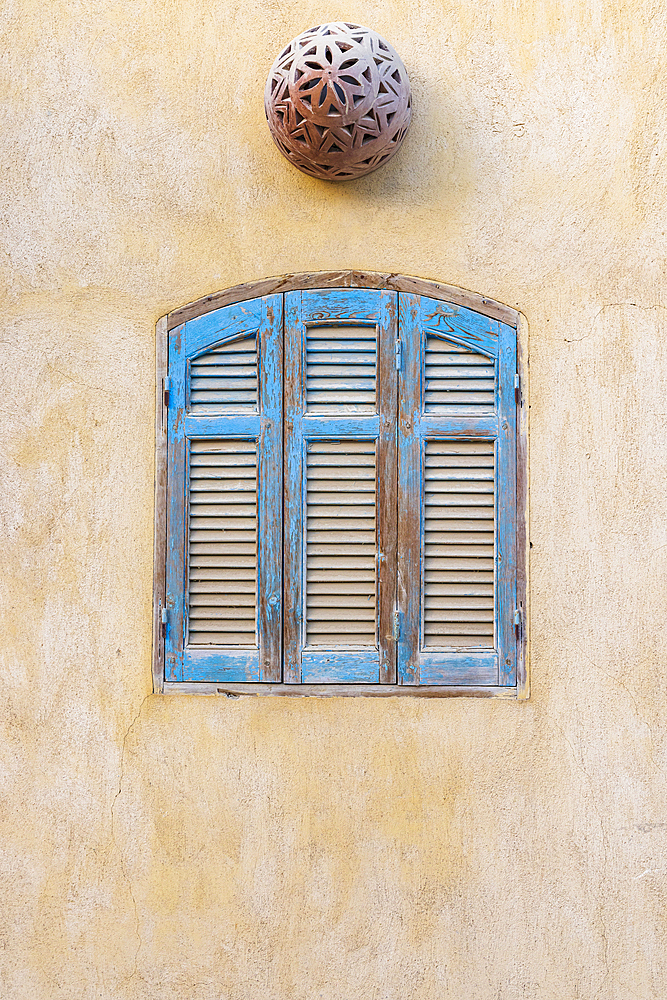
(166, 386)
(397, 355)
(396, 630)
(517, 388)
(517, 623)
(164, 619)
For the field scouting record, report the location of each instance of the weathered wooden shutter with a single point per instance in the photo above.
(340, 476)
(456, 496)
(225, 487)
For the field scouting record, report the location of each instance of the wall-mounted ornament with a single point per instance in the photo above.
(337, 101)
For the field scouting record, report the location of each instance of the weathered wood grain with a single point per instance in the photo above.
(160, 525)
(506, 555)
(293, 499)
(341, 690)
(176, 511)
(409, 490)
(345, 279)
(270, 496)
(523, 518)
(386, 492)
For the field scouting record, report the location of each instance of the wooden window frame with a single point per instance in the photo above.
(331, 280)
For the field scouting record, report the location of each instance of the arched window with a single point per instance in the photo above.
(340, 491)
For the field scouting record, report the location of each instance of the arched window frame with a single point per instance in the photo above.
(512, 326)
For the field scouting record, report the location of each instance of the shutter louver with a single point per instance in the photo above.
(459, 533)
(341, 369)
(225, 379)
(340, 543)
(458, 381)
(224, 559)
(222, 555)
(340, 474)
(457, 495)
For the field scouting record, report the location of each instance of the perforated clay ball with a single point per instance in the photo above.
(337, 101)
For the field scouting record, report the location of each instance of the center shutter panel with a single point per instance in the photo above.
(224, 559)
(340, 482)
(456, 496)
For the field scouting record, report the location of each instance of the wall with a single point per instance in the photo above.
(347, 848)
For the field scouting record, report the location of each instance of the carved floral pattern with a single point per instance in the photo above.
(337, 101)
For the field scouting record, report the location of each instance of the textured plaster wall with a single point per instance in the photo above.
(344, 849)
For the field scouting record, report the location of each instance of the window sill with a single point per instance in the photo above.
(342, 690)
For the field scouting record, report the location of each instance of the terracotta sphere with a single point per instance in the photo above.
(337, 101)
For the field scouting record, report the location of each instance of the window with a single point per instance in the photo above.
(338, 495)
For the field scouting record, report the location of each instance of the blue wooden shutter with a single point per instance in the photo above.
(340, 475)
(225, 495)
(456, 496)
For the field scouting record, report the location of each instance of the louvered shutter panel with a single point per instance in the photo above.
(340, 475)
(456, 496)
(225, 485)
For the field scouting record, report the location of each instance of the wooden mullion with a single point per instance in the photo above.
(409, 489)
(387, 501)
(293, 517)
(269, 543)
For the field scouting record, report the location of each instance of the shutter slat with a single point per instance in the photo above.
(341, 364)
(350, 589)
(472, 589)
(449, 601)
(236, 561)
(317, 575)
(224, 639)
(458, 599)
(457, 381)
(318, 614)
(327, 459)
(207, 573)
(451, 369)
(204, 613)
(356, 340)
(219, 522)
(359, 504)
(460, 633)
(340, 544)
(230, 380)
(210, 509)
(343, 600)
(433, 564)
(224, 379)
(222, 551)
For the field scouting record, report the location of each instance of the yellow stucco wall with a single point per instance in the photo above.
(343, 849)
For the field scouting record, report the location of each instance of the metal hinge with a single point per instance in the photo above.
(396, 630)
(164, 619)
(517, 388)
(397, 355)
(166, 386)
(517, 622)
